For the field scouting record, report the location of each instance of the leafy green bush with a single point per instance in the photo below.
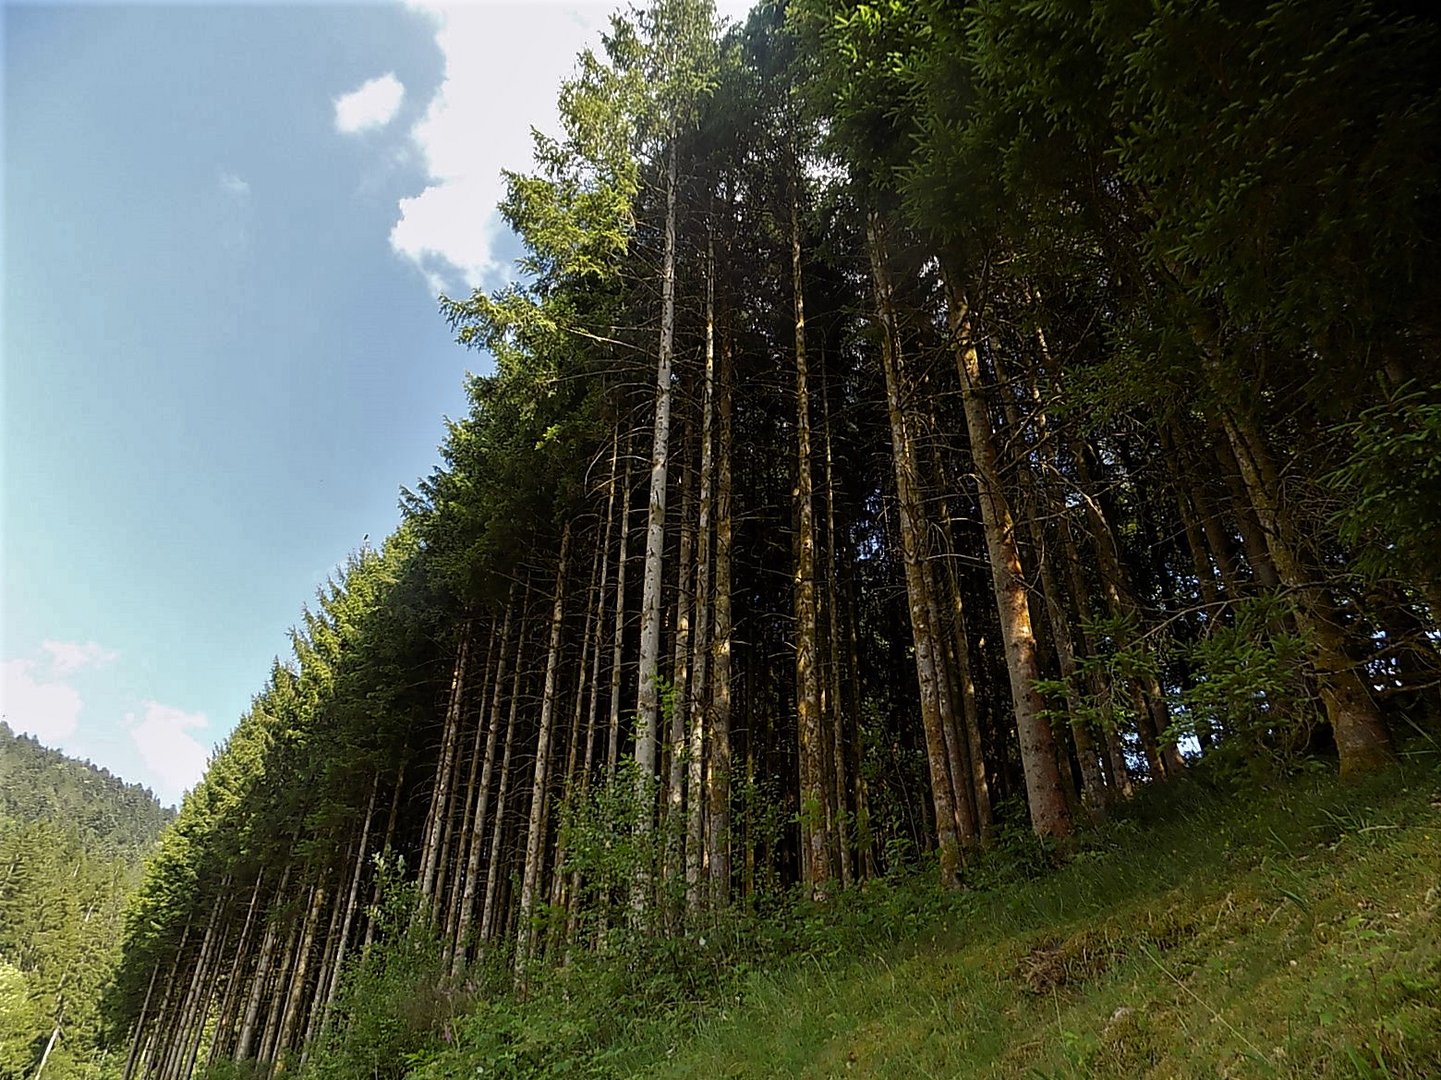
(604, 842)
(397, 1001)
(1392, 485)
(1248, 686)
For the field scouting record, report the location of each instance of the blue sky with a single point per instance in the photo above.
(224, 228)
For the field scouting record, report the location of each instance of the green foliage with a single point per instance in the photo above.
(235, 1070)
(892, 771)
(760, 815)
(1248, 687)
(605, 843)
(1392, 484)
(396, 999)
(72, 837)
(1101, 693)
(20, 1023)
(1245, 690)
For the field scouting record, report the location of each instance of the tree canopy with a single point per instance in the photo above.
(913, 424)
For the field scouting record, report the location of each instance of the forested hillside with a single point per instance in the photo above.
(919, 432)
(72, 844)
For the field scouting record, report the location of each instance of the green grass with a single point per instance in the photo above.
(1295, 933)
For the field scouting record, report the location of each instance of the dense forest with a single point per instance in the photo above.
(917, 430)
(72, 844)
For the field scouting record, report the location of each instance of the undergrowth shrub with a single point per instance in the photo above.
(1248, 683)
(1065, 921)
(1391, 486)
(235, 1070)
(396, 1001)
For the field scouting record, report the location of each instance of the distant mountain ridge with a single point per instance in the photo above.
(38, 783)
(73, 843)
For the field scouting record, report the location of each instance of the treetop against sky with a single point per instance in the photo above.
(225, 229)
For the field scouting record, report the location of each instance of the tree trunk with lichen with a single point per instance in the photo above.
(912, 532)
(1050, 814)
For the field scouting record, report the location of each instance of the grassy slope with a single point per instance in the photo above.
(1295, 933)
(1300, 940)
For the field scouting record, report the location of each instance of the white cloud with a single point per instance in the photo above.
(373, 105)
(45, 709)
(175, 757)
(504, 63)
(234, 186)
(67, 657)
(503, 67)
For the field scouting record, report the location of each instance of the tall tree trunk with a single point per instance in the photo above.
(1362, 741)
(680, 694)
(1115, 750)
(718, 793)
(333, 985)
(465, 840)
(1253, 538)
(572, 922)
(164, 1028)
(165, 1021)
(969, 712)
(259, 979)
(838, 707)
(298, 977)
(648, 668)
(173, 1060)
(815, 841)
(232, 979)
(958, 765)
(1153, 717)
(1050, 814)
(697, 703)
(865, 836)
(1036, 493)
(618, 647)
(391, 820)
(497, 832)
(478, 818)
(567, 787)
(912, 530)
(1219, 539)
(45, 1054)
(1206, 581)
(331, 952)
(270, 1038)
(535, 834)
(200, 1017)
(430, 853)
(446, 834)
(598, 622)
(140, 1026)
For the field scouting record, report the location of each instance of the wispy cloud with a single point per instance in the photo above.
(174, 757)
(38, 706)
(67, 657)
(372, 105)
(234, 186)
